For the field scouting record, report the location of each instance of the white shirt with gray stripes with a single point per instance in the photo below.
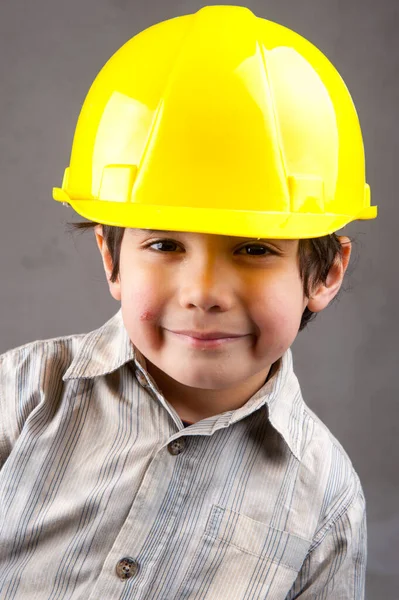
(104, 495)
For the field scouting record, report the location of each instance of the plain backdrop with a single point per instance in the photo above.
(53, 284)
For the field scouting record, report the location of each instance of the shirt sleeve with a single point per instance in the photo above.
(335, 567)
(19, 392)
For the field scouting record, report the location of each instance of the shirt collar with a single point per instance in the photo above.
(101, 351)
(108, 348)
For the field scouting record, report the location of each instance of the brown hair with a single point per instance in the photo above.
(316, 257)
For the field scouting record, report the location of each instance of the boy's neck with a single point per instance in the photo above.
(194, 404)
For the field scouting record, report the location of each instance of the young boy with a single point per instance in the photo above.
(169, 454)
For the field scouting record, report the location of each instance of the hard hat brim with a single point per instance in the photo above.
(240, 223)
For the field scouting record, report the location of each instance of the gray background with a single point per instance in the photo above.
(53, 284)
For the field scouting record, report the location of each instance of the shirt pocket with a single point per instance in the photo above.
(239, 558)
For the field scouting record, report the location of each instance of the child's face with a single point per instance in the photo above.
(207, 283)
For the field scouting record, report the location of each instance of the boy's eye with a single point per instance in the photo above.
(255, 249)
(161, 243)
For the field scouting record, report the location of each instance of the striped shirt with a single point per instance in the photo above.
(105, 495)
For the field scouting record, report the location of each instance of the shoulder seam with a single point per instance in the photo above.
(331, 436)
(36, 343)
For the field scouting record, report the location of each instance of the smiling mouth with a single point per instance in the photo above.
(207, 343)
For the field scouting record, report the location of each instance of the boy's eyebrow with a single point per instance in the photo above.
(139, 230)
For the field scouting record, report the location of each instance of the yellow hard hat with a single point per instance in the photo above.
(219, 122)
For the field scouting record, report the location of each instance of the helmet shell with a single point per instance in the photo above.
(219, 122)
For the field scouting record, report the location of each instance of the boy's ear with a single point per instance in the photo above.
(114, 287)
(324, 293)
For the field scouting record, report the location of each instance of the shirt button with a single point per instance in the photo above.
(126, 568)
(177, 446)
(141, 378)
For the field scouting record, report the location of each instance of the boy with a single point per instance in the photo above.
(169, 454)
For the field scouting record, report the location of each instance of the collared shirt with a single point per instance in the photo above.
(104, 495)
